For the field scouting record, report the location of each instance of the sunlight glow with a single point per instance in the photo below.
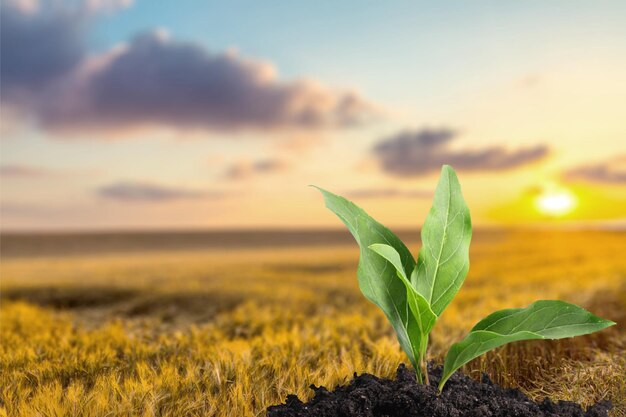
(556, 202)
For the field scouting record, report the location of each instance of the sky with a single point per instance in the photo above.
(122, 114)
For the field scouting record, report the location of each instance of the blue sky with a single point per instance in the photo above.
(438, 46)
(132, 127)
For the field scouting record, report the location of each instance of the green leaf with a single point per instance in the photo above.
(378, 282)
(547, 319)
(419, 306)
(443, 260)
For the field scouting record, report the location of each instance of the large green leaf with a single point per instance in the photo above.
(443, 260)
(419, 306)
(545, 319)
(378, 282)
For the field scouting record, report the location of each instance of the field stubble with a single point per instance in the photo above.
(230, 332)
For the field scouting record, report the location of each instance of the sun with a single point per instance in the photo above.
(556, 202)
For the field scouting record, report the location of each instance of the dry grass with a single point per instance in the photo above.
(227, 333)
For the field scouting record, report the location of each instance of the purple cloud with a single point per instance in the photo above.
(152, 80)
(415, 153)
(144, 192)
(609, 172)
(22, 171)
(39, 47)
(245, 169)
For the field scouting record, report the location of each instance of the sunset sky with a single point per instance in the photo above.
(201, 114)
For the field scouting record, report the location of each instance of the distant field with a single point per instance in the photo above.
(227, 324)
(65, 244)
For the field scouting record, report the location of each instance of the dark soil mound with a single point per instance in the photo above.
(369, 396)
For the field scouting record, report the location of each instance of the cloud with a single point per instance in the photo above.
(383, 193)
(247, 169)
(28, 210)
(83, 6)
(22, 171)
(609, 172)
(107, 5)
(144, 192)
(40, 45)
(24, 6)
(152, 80)
(415, 153)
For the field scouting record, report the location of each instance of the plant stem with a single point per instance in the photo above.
(418, 375)
(423, 362)
(418, 372)
(417, 365)
(425, 370)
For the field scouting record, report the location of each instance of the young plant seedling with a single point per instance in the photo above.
(414, 294)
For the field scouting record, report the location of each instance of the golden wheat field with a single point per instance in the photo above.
(210, 331)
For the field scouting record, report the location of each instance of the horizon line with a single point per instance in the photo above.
(619, 225)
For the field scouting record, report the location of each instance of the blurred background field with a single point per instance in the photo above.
(226, 324)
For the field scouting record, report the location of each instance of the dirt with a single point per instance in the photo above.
(369, 396)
